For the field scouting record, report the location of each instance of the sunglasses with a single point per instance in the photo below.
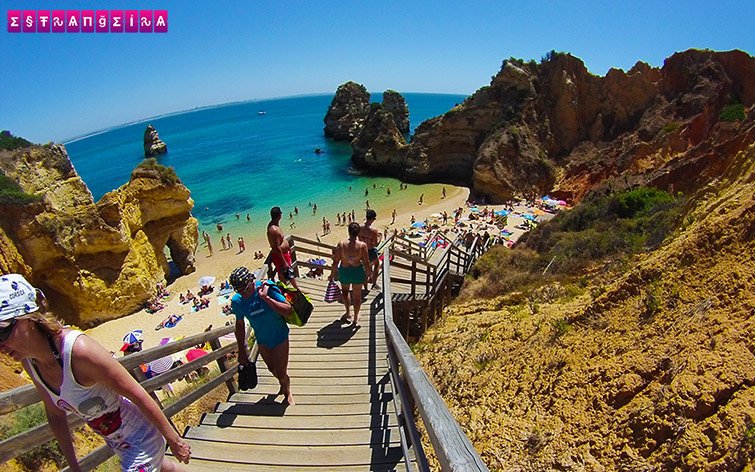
(6, 330)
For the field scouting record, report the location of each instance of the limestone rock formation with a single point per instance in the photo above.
(395, 104)
(555, 128)
(94, 261)
(379, 141)
(153, 145)
(655, 372)
(347, 112)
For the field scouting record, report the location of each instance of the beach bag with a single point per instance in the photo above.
(247, 376)
(333, 292)
(301, 305)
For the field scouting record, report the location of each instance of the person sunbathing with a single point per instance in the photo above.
(168, 322)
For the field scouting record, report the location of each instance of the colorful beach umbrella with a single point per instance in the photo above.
(163, 364)
(132, 337)
(206, 281)
(193, 354)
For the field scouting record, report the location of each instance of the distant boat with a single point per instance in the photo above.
(262, 112)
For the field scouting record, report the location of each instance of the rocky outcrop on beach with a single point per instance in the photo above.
(153, 145)
(350, 111)
(395, 104)
(552, 127)
(379, 141)
(95, 261)
(347, 112)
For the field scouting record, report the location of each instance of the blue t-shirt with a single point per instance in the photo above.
(270, 328)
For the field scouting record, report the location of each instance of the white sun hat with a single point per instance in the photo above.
(17, 297)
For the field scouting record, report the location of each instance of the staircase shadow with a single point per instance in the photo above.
(266, 406)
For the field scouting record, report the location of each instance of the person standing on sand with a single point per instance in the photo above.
(73, 373)
(371, 237)
(351, 267)
(265, 308)
(280, 251)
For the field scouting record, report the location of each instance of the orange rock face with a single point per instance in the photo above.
(94, 261)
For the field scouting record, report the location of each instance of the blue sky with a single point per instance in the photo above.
(56, 86)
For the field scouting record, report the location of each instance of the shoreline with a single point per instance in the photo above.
(222, 262)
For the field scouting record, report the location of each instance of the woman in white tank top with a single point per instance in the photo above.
(73, 373)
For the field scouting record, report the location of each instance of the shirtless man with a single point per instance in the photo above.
(351, 266)
(280, 252)
(371, 237)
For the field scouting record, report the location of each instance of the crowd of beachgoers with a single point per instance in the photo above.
(195, 303)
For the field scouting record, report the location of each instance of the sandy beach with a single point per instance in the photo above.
(222, 262)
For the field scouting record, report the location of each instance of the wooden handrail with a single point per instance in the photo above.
(452, 447)
(27, 395)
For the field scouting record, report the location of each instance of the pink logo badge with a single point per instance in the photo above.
(103, 21)
(30, 21)
(14, 21)
(161, 21)
(145, 21)
(87, 21)
(116, 21)
(44, 21)
(131, 19)
(73, 21)
(58, 21)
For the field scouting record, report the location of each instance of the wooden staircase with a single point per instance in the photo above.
(344, 417)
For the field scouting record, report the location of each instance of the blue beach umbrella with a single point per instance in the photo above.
(502, 213)
(418, 224)
(132, 337)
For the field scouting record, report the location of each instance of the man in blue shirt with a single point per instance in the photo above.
(265, 308)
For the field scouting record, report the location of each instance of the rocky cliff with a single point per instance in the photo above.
(350, 112)
(555, 128)
(94, 261)
(347, 112)
(153, 145)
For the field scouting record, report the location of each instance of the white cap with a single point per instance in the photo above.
(17, 297)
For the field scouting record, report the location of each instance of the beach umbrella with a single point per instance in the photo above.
(418, 224)
(133, 337)
(206, 281)
(193, 354)
(502, 213)
(163, 364)
(320, 262)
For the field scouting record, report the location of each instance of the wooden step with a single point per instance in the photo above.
(270, 408)
(250, 396)
(296, 457)
(225, 420)
(310, 437)
(201, 465)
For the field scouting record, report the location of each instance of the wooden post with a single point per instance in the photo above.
(223, 365)
(413, 289)
(292, 246)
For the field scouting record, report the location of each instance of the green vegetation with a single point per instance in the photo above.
(10, 142)
(560, 327)
(23, 420)
(733, 112)
(150, 169)
(11, 193)
(671, 127)
(603, 226)
(750, 436)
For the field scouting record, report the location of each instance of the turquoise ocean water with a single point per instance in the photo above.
(235, 160)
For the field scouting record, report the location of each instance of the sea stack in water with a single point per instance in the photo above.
(347, 112)
(394, 103)
(380, 144)
(153, 145)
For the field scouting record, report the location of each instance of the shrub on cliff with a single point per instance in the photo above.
(149, 168)
(11, 193)
(10, 142)
(733, 112)
(601, 226)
